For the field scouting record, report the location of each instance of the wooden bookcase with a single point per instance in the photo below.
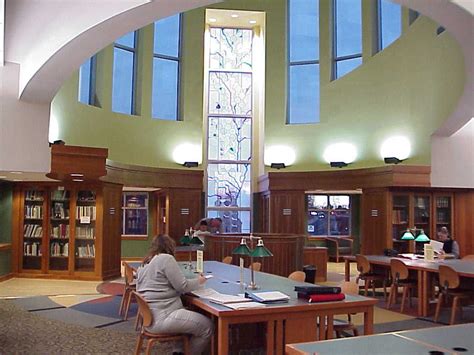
(67, 230)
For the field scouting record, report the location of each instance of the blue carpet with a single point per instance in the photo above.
(106, 307)
(71, 316)
(32, 304)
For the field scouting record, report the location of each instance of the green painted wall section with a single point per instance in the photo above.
(6, 195)
(409, 89)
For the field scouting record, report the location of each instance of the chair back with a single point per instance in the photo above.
(256, 266)
(398, 269)
(469, 257)
(297, 276)
(129, 277)
(363, 265)
(144, 310)
(448, 277)
(349, 288)
(227, 260)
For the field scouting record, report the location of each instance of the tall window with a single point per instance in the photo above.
(124, 72)
(230, 128)
(347, 36)
(303, 71)
(166, 59)
(389, 23)
(329, 215)
(87, 72)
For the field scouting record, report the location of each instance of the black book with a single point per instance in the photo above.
(317, 290)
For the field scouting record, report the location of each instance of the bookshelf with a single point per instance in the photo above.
(60, 230)
(443, 214)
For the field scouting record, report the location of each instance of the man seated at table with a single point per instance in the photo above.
(450, 247)
(212, 225)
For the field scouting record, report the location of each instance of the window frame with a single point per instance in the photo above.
(92, 73)
(177, 59)
(125, 208)
(328, 210)
(380, 46)
(134, 51)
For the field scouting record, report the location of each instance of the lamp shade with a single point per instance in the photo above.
(408, 236)
(279, 154)
(396, 147)
(340, 152)
(242, 249)
(260, 251)
(422, 237)
(196, 241)
(185, 239)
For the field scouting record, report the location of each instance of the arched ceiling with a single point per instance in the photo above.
(51, 39)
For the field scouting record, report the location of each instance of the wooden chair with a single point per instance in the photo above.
(348, 288)
(369, 278)
(342, 246)
(147, 320)
(297, 276)
(227, 260)
(256, 266)
(449, 287)
(468, 257)
(129, 287)
(400, 278)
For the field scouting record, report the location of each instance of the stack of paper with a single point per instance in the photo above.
(268, 296)
(216, 297)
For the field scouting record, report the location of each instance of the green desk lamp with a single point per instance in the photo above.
(422, 237)
(185, 239)
(408, 235)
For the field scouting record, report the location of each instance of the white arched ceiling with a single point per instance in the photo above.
(50, 38)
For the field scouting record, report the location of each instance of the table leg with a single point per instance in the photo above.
(330, 326)
(223, 336)
(322, 328)
(270, 337)
(369, 321)
(426, 294)
(214, 338)
(279, 345)
(347, 269)
(421, 292)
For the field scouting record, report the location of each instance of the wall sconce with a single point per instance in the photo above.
(279, 156)
(395, 150)
(340, 155)
(57, 142)
(188, 155)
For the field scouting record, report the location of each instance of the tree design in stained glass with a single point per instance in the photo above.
(228, 185)
(230, 94)
(230, 49)
(233, 221)
(229, 138)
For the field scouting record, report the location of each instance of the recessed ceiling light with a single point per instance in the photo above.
(212, 19)
(234, 15)
(3, 177)
(252, 22)
(77, 175)
(78, 180)
(16, 172)
(17, 180)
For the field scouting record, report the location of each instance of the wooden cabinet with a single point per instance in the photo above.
(65, 230)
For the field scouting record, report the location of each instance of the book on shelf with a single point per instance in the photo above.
(85, 232)
(34, 212)
(33, 195)
(86, 211)
(32, 231)
(58, 249)
(442, 202)
(318, 290)
(31, 249)
(60, 195)
(86, 251)
(217, 297)
(399, 216)
(268, 296)
(60, 232)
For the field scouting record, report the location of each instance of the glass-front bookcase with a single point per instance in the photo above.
(400, 215)
(85, 237)
(33, 229)
(59, 232)
(135, 213)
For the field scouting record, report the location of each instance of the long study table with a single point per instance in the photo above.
(455, 339)
(425, 271)
(290, 322)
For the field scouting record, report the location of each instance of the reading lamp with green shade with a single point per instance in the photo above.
(422, 237)
(260, 251)
(185, 239)
(408, 236)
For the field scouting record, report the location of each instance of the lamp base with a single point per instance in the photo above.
(252, 286)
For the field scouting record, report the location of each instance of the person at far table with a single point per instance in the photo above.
(161, 282)
(214, 225)
(450, 247)
(202, 231)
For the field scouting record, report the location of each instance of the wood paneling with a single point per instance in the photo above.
(286, 212)
(111, 231)
(464, 221)
(287, 250)
(184, 211)
(375, 228)
(317, 256)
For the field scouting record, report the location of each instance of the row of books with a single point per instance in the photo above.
(59, 211)
(58, 249)
(60, 195)
(87, 251)
(32, 231)
(60, 231)
(86, 211)
(399, 216)
(442, 202)
(32, 249)
(85, 232)
(33, 195)
(34, 212)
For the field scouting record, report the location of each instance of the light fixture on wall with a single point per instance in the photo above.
(339, 155)
(279, 156)
(395, 150)
(188, 155)
(57, 142)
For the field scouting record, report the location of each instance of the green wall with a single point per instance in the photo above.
(6, 195)
(408, 89)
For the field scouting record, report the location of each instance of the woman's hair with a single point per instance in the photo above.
(203, 223)
(161, 244)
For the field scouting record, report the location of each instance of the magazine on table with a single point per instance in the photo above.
(268, 296)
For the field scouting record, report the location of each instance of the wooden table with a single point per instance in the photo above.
(425, 271)
(447, 340)
(290, 322)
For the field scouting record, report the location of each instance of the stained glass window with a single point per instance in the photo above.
(230, 128)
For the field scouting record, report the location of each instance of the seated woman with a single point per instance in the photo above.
(450, 246)
(161, 282)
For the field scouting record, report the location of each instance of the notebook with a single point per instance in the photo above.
(313, 290)
(217, 297)
(244, 305)
(268, 296)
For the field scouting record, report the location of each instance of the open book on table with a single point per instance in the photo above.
(217, 297)
(268, 296)
(244, 305)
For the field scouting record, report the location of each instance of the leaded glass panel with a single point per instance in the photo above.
(233, 221)
(230, 49)
(228, 185)
(230, 93)
(230, 138)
